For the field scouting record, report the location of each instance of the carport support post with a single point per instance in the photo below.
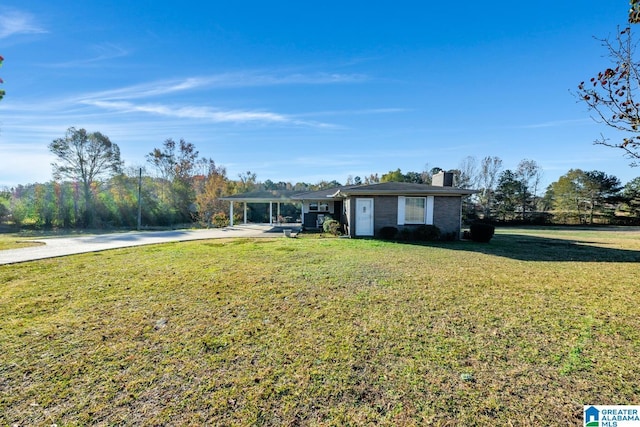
(245, 212)
(231, 213)
(270, 213)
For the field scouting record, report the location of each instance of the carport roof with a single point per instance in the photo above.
(263, 196)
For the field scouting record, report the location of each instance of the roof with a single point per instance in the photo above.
(262, 196)
(379, 189)
(327, 193)
(402, 189)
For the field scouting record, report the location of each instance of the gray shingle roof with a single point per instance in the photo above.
(378, 189)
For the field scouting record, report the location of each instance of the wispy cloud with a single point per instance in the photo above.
(16, 22)
(555, 123)
(203, 113)
(134, 99)
(103, 52)
(225, 80)
(365, 111)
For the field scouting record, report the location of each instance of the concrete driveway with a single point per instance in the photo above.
(61, 246)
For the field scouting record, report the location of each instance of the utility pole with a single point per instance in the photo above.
(140, 200)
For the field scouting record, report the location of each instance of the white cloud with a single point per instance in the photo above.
(17, 22)
(224, 80)
(202, 113)
(102, 52)
(556, 123)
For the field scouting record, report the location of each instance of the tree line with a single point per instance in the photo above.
(93, 189)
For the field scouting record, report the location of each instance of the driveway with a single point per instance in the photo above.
(61, 246)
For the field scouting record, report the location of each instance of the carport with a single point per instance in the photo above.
(270, 197)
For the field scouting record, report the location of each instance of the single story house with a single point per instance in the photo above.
(363, 210)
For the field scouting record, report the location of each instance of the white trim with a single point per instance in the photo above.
(401, 209)
(429, 210)
(359, 229)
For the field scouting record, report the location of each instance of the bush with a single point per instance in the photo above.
(388, 233)
(426, 233)
(331, 226)
(220, 220)
(405, 234)
(481, 232)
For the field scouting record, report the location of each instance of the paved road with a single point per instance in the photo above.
(61, 246)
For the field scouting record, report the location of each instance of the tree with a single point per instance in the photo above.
(248, 182)
(566, 197)
(612, 94)
(208, 203)
(178, 164)
(631, 195)
(487, 178)
(634, 12)
(2, 92)
(467, 173)
(372, 179)
(599, 189)
(584, 193)
(508, 194)
(415, 177)
(529, 175)
(85, 157)
(393, 176)
(398, 176)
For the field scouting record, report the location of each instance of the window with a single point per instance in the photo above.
(318, 207)
(415, 210)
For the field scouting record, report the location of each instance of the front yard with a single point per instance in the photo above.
(325, 331)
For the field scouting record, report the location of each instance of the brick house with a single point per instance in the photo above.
(363, 210)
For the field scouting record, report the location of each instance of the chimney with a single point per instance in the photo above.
(443, 179)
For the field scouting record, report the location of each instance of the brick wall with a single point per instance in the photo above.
(446, 214)
(385, 212)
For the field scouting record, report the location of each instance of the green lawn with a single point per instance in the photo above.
(15, 241)
(324, 331)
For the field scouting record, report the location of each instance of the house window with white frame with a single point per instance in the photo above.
(415, 210)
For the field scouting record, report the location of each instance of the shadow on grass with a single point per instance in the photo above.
(535, 248)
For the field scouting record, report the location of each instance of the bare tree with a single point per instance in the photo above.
(467, 176)
(613, 93)
(85, 157)
(490, 168)
(529, 174)
(178, 164)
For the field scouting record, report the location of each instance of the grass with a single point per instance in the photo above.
(15, 241)
(324, 331)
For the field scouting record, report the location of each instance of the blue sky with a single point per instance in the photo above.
(306, 91)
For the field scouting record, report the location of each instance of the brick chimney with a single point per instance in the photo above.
(443, 179)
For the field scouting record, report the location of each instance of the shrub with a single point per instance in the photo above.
(220, 220)
(450, 236)
(331, 226)
(405, 234)
(481, 232)
(425, 233)
(388, 233)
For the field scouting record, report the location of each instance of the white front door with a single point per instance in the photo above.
(364, 217)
